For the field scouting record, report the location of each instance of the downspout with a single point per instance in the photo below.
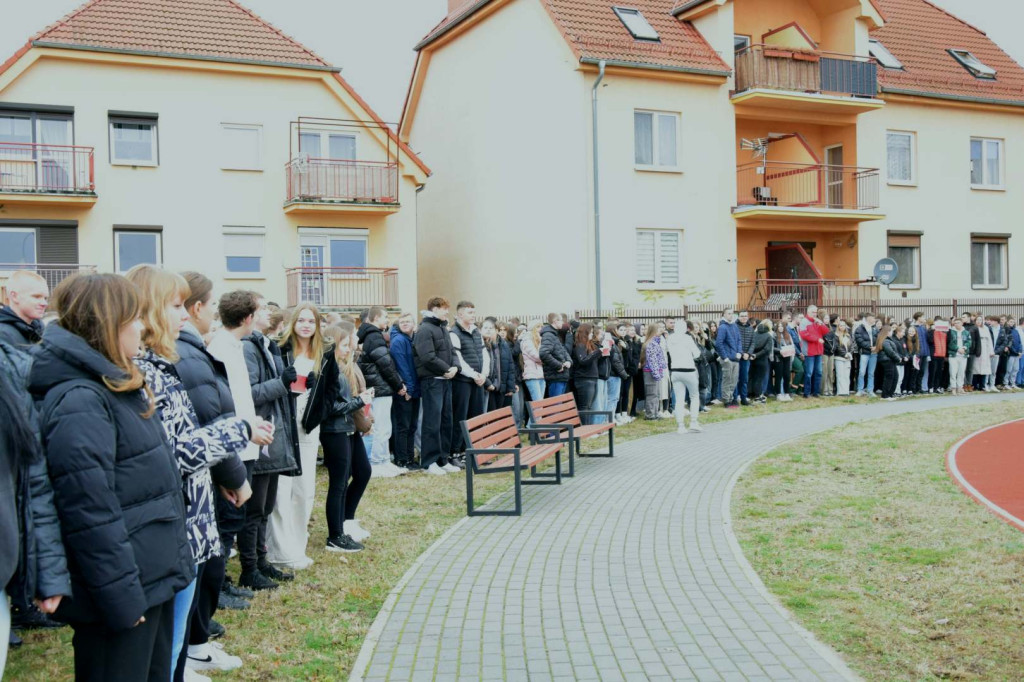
(597, 179)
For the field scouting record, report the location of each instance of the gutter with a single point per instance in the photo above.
(686, 6)
(655, 67)
(597, 180)
(178, 55)
(954, 98)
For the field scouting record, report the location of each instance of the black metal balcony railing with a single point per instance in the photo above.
(337, 180)
(54, 273)
(777, 183)
(775, 68)
(343, 287)
(46, 168)
(766, 296)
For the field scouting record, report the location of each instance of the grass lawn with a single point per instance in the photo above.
(864, 537)
(313, 628)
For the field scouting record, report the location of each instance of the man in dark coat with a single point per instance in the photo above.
(469, 393)
(554, 355)
(380, 373)
(21, 321)
(435, 367)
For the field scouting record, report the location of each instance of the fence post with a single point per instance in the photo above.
(955, 314)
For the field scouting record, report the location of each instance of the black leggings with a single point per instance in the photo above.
(586, 391)
(348, 470)
(888, 379)
(782, 368)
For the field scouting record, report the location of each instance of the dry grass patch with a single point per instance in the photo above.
(863, 536)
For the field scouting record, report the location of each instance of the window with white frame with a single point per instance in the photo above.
(986, 163)
(656, 140)
(243, 252)
(988, 262)
(17, 247)
(659, 258)
(136, 247)
(133, 141)
(242, 146)
(905, 249)
(901, 153)
(882, 55)
(740, 42)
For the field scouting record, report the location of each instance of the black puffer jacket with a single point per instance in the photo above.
(206, 382)
(552, 354)
(116, 485)
(618, 363)
(376, 362)
(746, 336)
(26, 496)
(471, 348)
(890, 351)
(274, 402)
(432, 348)
(345, 404)
(16, 331)
(324, 391)
(508, 368)
(763, 345)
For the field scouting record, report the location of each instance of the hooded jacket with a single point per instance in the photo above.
(728, 341)
(890, 351)
(553, 354)
(813, 334)
(17, 331)
(376, 363)
(274, 402)
(405, 362)
(864, 337)
(533, 368)
(116, 486)
(432, 348)
(683, 352)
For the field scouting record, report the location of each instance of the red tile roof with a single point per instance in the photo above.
(212, 29)
(594, 32)
(919, 34)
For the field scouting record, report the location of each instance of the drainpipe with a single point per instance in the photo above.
(597, 177)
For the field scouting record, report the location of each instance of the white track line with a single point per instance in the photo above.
(970, 489)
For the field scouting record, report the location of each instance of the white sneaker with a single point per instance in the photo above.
(399, 471)
(696, 428)
(382, 471)
(211, 656)
(355, 531)
(682, 430)
(451, 468)
(436, 470)
(193, 676)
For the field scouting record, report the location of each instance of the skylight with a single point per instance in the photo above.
(973, 65)
(882, 54)
(636, 23)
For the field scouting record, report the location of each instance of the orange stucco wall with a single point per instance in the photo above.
(818, 137)
(838, 263)
(832, 28)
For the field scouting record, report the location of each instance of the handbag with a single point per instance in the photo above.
(787, 351)
(363, 420)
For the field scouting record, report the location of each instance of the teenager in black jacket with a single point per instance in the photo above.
(761, 350)
(116, 484)
(889, 357)
(435, 367)
(378, 367)
(553, 354)
(586, 355)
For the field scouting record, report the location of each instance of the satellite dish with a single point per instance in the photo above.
(886, 271)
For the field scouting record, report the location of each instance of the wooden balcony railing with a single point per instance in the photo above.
(343, 287)
(336, 180)
(777, 183)
(54, 273)
(775, 68)
(46, 169)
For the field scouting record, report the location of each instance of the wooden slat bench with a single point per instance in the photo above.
(561, 412)
(495, 446)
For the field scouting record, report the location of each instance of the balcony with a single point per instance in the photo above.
(776, 190)
(341, 186)
(54, 273)
(46, 175)
(797, 81)
(770, 297)
(347, 288)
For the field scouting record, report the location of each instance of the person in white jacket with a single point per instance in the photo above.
(683, 353)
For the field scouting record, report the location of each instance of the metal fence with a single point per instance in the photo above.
(777, 183)
(343, 287)
(54, 274)
(338, 180)
(46, 168)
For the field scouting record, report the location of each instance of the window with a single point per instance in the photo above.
(988, 262)
(740, 43)
(974, 66)
(133, 141)
(242, 147)
(883, 56)
(17, 247)
(243, 251)
(905, 249)
(135, 247)
(655, 142)
(348, 253)
(636, 23)
(322, 145)
(901, 149)
(658, 256)
(986, 163)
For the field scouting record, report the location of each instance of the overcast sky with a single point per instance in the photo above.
(371, 40)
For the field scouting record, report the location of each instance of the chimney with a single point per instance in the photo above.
(457, 4)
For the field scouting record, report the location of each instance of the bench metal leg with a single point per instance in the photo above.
(572, 463)
(470, 511)
(611, 447)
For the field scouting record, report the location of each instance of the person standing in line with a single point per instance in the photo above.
(813, 335)
(405, 412)
(843, 355)
(972, 323)
(746, 328)
(509, 334)
(636, 349)
(469, 392)
(378, 367)
(1013, 348)
(494, 398)
(655, 367)
(912, 366)
(435, 368)
(716, 366)
(889, 358)
(110, 464)
(604, 372)
(828, 357)
(958, 349)
(585, 356)
(729, 345)
(316, 389)
(271, 395)
(553, 354)
(761, 352)
(985, 359)
(618, 375)
(899, 335)
(938, 368)
(865, 339)
(785, 351)
(684, 353)
(21, 319)
(924, 354)
(533, 365)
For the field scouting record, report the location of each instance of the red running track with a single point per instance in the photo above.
(989, 466)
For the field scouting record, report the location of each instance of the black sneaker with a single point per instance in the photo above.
(234, 590)
(343, 544)
(458, 460)
(216, 630)
(274, 573)
(13, 641)
(228, 601)
(32, 619)
(744, 402)
(256, 581)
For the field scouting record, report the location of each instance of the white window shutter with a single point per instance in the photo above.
(645, 257)
(668, 258)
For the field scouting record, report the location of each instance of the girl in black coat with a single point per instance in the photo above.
(889, 357)
(116, 484)
(585, 357)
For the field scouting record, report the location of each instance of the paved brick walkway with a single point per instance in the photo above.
(630, 571)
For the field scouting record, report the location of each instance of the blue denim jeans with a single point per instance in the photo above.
(925, 363)
(741, 382)
(614, 388)
(812, 375)
(867, 368)
(377, 441)
(600, 400)
(536, 389)
(557, 388)
(182, 606)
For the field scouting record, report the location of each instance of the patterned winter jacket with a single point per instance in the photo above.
(196, 449)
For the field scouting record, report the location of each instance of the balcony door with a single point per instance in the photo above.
(834, 176)
(35, 152)
(329, 172)
(336, 259)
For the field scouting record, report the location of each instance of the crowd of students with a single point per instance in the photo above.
(151, 429)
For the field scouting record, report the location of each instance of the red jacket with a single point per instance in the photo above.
(813, 334)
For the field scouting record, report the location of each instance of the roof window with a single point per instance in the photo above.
(881, 53)
(636, 23)
(974, 65)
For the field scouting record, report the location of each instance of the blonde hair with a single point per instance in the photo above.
(157, 288)
(535, 332)
(340, 335)
(316, 342)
